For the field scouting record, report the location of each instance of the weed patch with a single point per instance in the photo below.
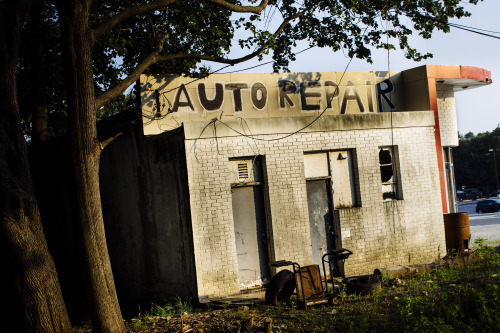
(448, 299)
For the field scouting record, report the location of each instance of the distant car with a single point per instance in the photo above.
(494, 194)
(489, 205)
(472, 194)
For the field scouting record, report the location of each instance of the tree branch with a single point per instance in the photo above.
(109, 24)
(106, 97)
(155, 57)
(104, 143)
(240, 9)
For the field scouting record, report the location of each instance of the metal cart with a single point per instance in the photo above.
(305, 282)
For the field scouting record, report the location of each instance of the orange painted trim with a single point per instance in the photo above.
(448, 72)
(439, 149)
(458, 72)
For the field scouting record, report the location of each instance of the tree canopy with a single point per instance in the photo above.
(173, 36)
(474, 160)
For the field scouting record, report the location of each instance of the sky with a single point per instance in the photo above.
(477, 109)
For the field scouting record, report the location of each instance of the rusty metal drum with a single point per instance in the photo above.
(457, 231)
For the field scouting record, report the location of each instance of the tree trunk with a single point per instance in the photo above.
(24, 252)
(78, 42)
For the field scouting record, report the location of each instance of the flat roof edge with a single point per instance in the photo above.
(279, 126)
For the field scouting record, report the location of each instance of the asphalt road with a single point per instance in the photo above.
(485, 225)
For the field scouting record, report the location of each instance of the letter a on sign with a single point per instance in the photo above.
(351, 94)
(186, 101)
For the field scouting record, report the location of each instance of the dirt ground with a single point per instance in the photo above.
(220, 320)
(256, 316)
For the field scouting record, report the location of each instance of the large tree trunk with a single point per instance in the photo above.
(24, 252)
(86, 150)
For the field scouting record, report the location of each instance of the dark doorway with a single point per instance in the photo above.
(325, 230)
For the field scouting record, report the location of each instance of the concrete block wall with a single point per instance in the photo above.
(447, 115)
(379, 233)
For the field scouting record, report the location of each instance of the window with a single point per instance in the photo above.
(339, 167)
(389, 173)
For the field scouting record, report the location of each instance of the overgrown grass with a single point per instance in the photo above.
(449, 299)
(170, 309)
(463, 299)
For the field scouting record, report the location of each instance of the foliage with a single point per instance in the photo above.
(453, 309)
(40, 74)
(450, 299)
(191, 26)
(354, 26)
(173, 308)
(456, 299)
(242, 314)
(201, 28)
(474, 163)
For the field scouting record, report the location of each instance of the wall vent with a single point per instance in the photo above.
(246, 170)
(243, 171)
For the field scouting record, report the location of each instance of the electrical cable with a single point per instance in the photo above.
(255, 137)
(197, 79)
(479, 31)
(473, 28)
(473, 31)
(393, 159)
(155, 117)
(483, 32)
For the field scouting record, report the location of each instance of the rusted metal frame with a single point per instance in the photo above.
(243, 184)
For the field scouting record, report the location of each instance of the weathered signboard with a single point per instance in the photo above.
(167, 101)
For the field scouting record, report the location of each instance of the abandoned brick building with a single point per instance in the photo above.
(219, 176)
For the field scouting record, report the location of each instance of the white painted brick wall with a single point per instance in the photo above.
(379, 233)
(447, 115)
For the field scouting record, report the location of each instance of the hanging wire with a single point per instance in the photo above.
(473, 30)
(193, 146)
(159, 116)
(255, 137)
(243, 121)
(393, 157)
(460, 26)
(204, 76)
(479, 31)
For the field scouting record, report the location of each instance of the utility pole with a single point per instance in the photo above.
(495, 160)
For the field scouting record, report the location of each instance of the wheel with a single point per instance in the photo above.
(281, 287)
(479, 211)
(362, 285)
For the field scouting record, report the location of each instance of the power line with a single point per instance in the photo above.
(266, 63)
(473, 30)
(197, 79)
(255, 137)
(155, 117)
(478, 29)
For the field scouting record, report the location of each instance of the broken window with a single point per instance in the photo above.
(389, 173)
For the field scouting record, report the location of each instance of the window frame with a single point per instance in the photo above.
(395, 181)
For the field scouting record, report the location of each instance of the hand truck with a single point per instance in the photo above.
(305, 282)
